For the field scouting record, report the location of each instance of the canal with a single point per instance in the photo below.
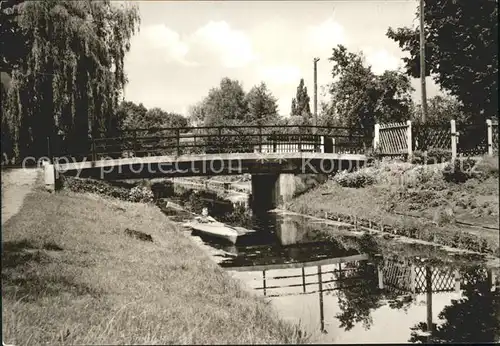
(343, 288)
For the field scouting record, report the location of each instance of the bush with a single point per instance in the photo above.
(417, 157)
(487, 167)
(141, 194)
(424, 177)
(355, 179)
(437, 155)
(459, 170)
(374, 154)
(432, 156)
(94, 186)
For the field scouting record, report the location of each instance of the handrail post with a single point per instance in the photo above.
(260, 139)
(134, 143)
(178, 135)
(453, 139)
(220, 138)
(490, 136)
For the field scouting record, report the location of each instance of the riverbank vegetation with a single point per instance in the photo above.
(72, 274)
(434, 203)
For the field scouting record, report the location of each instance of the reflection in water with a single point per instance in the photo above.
(356, 303)
(473, 318)
(344, 289)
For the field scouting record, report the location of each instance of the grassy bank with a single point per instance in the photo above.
(415, 201)
(72, 273)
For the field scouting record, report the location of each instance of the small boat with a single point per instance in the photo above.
(214, 229)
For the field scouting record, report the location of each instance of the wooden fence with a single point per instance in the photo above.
(402, 139)
(393, 139)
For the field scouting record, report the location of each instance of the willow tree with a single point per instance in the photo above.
(69, 83)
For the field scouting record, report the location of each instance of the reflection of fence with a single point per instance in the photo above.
(407, 277)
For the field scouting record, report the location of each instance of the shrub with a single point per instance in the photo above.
(141, 194)
(487, 167)
(432, 156)
(94, 186)
(417, 157)
(355, 179)
(374, 154)
(162, 189)
(459, 170)
(437, 155)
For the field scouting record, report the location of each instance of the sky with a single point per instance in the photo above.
(184, 48)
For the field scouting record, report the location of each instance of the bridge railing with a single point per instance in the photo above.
(228, 139)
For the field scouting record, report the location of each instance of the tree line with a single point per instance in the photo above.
(62, 69)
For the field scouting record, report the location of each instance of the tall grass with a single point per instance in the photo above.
(70, 275)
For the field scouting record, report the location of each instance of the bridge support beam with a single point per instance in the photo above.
(270, 190)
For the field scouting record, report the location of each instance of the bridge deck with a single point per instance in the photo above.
(171, 159)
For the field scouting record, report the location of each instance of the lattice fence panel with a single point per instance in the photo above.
(397, 275)
(427, 137)
(393, 139)
(443, 279)
(472, 140)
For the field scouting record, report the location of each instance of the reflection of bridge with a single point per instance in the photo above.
(272, 154)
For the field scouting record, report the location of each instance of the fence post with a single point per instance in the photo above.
(408, 138)
(453, 139)
(380, 275)
(333, 145)
(376, 136)
(413, 279)
(457, 281)
(322, 144)
(490, 136)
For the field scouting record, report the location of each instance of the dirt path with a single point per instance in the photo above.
(16, 184)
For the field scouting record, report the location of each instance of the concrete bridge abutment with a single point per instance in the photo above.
(271, 190)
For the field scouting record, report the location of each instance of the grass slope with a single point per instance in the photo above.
(403, 188)
(70, 275)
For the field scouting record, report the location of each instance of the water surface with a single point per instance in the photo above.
(341, 290)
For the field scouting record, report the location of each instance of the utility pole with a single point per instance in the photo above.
(315, 95)
(422, 62)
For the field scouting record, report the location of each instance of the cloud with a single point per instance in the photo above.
(381, 60)
(321, 38)
(160, 36)
(215, 42)
(160, 42)
(280, 74)
(230, 47)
